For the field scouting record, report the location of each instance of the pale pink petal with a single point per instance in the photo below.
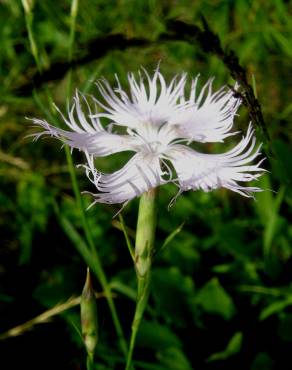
(139, 175)
(208, 117)
(86, 134)
(212, 171)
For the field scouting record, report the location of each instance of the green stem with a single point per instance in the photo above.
(142, 299)
(28, 14)
(95, 257)
(73, 16)
(89, 362)
(145, 236)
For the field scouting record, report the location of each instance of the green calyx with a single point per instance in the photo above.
(145, 234)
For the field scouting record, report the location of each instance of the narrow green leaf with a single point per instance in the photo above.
(171, 236)
(128, 241)
(275, 307)
(233, 347)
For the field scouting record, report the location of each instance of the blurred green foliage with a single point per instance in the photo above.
(221, 295)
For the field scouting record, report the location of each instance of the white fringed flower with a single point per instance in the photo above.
(160, 123)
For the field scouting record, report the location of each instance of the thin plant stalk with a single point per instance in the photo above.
(28, 14)
(98, 266)
(144, 249)
(89, 362)
(128, 241)
(95, 257)
(73, 16)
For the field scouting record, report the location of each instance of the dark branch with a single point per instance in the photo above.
(210, 43)
(207, 40)
(92, 50)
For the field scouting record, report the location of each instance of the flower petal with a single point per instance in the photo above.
(139, 106)
(89, 137)
(208, 117)
(140, 174)
(211, 171)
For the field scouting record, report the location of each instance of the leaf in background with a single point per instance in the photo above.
(268, 208)
(284, 43)
(174, 359)
(262, 362)
(172, 292)
(182, 253)
(281, 165)
(264, 204)
(6, 298)
(275, 307)
(55, 286)
(6, 203)
(213, 299)
(71, 212)
(233, 347)
(235, 237)
(285, 327)
(165, 343)
(153, 335)
(33, 210)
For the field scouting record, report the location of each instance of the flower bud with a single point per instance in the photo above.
(88, 314)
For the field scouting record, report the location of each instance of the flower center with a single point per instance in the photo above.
(152, 148)
(155, 141)
(155, 147)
